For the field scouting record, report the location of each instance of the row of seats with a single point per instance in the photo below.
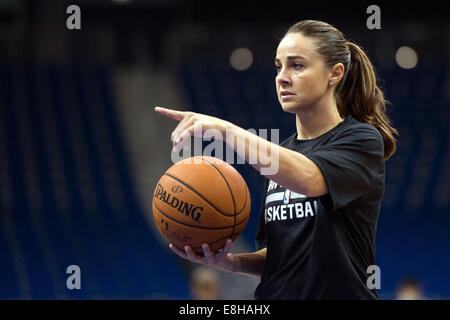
(67, 197)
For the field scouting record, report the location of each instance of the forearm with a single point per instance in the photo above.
(284, 166)
(251, 264)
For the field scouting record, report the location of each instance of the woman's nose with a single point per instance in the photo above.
(283, 78)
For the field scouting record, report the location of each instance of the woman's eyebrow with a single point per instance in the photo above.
(291, 58)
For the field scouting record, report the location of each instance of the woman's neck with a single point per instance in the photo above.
(314, 122)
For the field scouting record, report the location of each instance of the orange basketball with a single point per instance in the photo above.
(201, 200)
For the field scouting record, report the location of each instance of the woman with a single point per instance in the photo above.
(316, 235)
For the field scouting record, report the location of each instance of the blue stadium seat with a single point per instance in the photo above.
(71, 200)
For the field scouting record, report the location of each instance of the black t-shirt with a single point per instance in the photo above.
(320, 248)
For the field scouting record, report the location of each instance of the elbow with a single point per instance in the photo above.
(303, 176)
(315, 185)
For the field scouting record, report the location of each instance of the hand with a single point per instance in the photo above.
(223, 260)
(193, 124)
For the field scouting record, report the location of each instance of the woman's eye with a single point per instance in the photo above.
(278, 68)
(297, 66)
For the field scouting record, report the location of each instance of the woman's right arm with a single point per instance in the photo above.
(251, 264)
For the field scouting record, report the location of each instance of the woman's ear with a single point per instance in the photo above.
(337, 72)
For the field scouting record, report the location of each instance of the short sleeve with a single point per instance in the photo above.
(261, 234)
(350, 164)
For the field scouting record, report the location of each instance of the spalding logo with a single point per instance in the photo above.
(177, 189)
(181, 206)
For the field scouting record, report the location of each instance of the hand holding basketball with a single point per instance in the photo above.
(223, 259)
(201, 200)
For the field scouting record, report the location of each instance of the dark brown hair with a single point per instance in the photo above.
(357, 93)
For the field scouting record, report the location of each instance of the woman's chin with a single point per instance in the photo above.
(290, 107)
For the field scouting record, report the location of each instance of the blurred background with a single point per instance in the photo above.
(81, 148)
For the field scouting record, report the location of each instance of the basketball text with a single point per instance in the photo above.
(181, 206)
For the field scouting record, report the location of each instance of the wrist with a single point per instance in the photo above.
(227, 128)
(233, 134)
(236, 266)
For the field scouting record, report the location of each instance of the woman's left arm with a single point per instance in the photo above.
(294, 171)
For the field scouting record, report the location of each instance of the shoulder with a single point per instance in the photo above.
(357, 130)
(359, 136)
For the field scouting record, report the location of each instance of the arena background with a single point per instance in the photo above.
(81, 148)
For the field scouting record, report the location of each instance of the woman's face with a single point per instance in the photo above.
(302, 77)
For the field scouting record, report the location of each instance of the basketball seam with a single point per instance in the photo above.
(245, 202)
(231, 193)
(192, 226)
(198, 193)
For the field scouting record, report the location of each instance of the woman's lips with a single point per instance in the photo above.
(286, 95)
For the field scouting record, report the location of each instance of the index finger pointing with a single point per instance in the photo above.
(173, 114)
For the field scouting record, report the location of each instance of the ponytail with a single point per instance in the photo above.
(357, 94)
(360, 96)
